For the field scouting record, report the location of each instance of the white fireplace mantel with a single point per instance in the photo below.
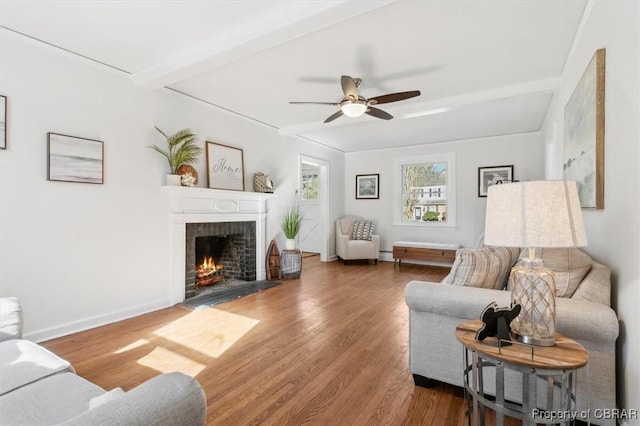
(203, 205)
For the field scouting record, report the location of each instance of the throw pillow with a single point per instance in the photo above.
(105, 397)
(362, 229)
(487, 267)
(570, 266)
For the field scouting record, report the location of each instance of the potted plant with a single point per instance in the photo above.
(291, 226)
(181, 149)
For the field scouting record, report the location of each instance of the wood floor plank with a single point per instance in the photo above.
(328, 348)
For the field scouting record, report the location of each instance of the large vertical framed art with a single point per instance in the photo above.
(225, 167)
(3, 122)
(583, 150)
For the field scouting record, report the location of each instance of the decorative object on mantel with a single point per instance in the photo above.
(225, 167)
(262, 183)
(583, 157)
(3, 122)
(493, 175)
(518, 215)
(181, 150)
(188, 175)
(273, 262)
(291, 221)
(73, 159)
(496, 322)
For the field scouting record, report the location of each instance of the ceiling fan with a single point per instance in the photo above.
(354, 105)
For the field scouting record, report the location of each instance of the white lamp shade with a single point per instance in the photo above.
(353, 109)
(534, 214)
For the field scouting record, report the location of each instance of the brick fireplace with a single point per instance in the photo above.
(231, 245)
(197, 212)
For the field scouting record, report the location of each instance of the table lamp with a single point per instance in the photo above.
(529, 215)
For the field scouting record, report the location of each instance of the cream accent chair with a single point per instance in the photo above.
(348, 249)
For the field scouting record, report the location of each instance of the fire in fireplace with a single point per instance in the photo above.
(209, 272)
(209, 264)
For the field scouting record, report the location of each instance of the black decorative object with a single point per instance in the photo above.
(497, 321)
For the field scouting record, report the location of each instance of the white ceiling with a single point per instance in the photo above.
(484, 68)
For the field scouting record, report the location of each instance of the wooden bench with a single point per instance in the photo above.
(429, 252)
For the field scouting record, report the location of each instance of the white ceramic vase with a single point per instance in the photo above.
(290, 244)
(173, 180)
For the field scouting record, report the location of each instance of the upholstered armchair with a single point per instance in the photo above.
(355, 239)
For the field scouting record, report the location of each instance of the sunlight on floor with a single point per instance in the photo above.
(166, 361)
(208, 331)
(136, 344)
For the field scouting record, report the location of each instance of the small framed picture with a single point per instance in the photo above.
(488, 176)
(367, 187)
(225, 167)
(3, 122)
(73, 159)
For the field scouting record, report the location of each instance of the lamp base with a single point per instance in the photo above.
(537, 341)
(534, 289)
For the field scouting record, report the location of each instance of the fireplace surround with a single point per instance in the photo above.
(204, 206)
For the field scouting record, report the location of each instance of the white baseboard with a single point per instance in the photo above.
(95, 321)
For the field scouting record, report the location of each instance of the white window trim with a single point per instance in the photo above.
(445, 157)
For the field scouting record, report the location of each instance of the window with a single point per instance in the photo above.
(426, 190)
(310, 184)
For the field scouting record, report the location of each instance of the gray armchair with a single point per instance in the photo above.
(348, 248)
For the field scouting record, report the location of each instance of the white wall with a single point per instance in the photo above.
(81, 255)
(613, 233)
(524, 151)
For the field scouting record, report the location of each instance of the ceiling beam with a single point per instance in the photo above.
(295, 20)
(439, 106)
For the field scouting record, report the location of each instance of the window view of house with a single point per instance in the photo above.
(424, 192)
(309, 186)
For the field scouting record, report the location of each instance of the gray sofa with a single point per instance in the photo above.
(435, 309)
(39, 388)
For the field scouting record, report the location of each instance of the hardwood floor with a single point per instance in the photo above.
(330, 348)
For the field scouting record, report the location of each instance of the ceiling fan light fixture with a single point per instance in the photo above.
(353, 109)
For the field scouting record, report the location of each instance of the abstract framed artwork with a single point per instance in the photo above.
(3, 122)
(583, 150)
(488, 176)
(367, 187)
(225, 167)
(74, 159)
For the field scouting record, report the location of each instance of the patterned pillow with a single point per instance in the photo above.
(362, 229)
(488, 267)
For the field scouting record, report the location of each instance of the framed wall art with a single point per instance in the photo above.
(367, 187)
(3, 122)
(225, 167)
(488, 176)
(583, 150)
(74, 159)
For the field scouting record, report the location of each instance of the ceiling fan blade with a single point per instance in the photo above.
(349, 87)
(393, 97)
(378, 113)
(334, 116)
(315, 103)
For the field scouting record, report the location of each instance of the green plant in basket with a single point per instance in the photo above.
(291, 223)
(181, 148)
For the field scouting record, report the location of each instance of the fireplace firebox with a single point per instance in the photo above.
(219, 251)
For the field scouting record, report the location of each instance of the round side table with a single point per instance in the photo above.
(556, 365)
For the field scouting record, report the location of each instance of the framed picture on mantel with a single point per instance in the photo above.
(225, 167)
